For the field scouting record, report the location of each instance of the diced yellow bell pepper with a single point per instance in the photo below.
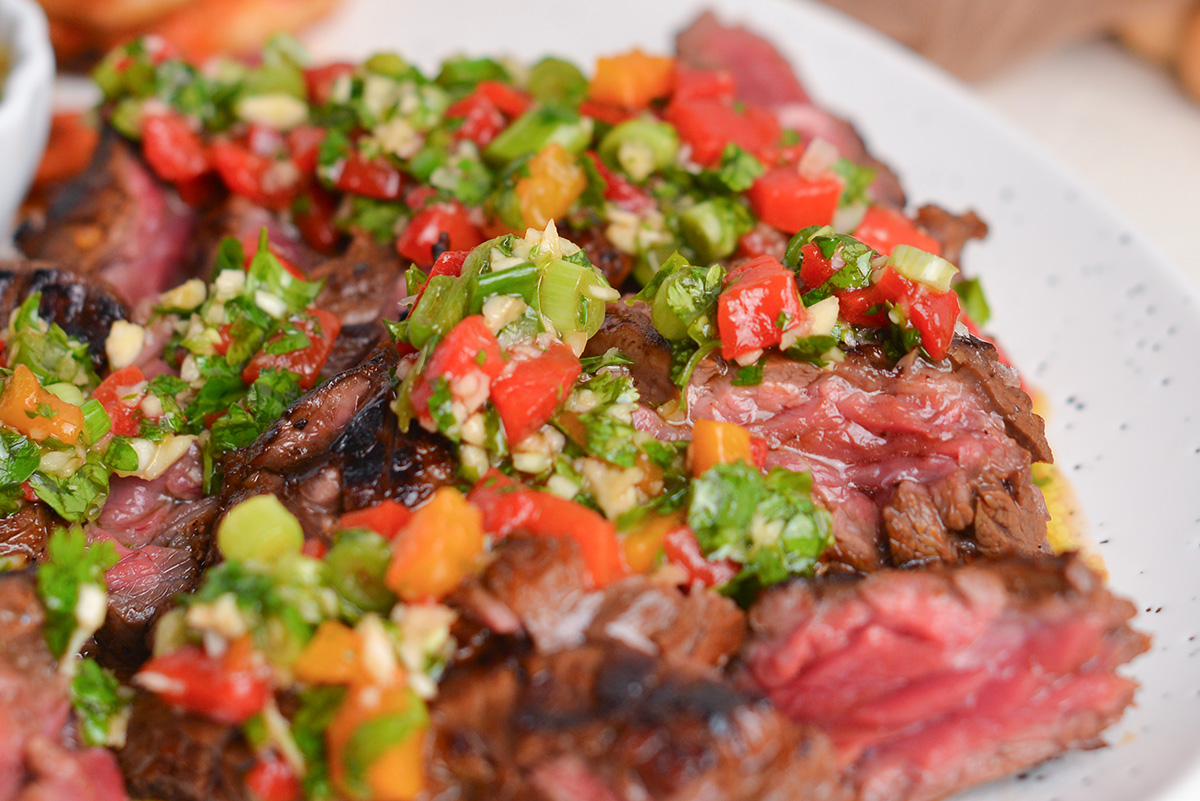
(438, 548)
(716, 443)
(631, 80)
(644, 544)
(554, 183)
(332, 656)
(30, 410)
(398, 774)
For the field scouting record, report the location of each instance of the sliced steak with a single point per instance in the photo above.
(84, 308)
(538, 586)
(952, 231)
(918, 462)
(628, 328)
(172, 755)
(38, 758)
(765, 77)
(362, 287)
(116, 222)
(340, 448)
(24, 533)
(933, 680)
(244, 220)
(610, 723)
(161, 529)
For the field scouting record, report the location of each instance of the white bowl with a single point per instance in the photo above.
(25, 104)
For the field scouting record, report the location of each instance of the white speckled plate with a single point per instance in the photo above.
(1100, 322)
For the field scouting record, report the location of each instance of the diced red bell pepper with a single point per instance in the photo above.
(932, 314)
(619, 191)
(883, 228)
(763, 240)
(230, 689)
(314, 214)
(784, 198)
(375, 178)
(481, 120)
(682, 549)
(385, 518)
(319, 81)
(424, 231)
(304, 146)
(510, 100)
(252, 176)
(172, 149)
(272, 779)
(508, 507)
(468, 348)
(305, 362)
(449, 263)
(863, 307)
(815, 268)
(756, 307)
(708, 125)
(695, 84)
(527, 396)
(121, 394)
(609, 115)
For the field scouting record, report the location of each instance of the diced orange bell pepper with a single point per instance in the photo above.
(632, 80)
(398, 773)
(437, 549)
(716, 443)
(332, 656)
(30, 410)
(395, 775)
(644, 544)
(554, 183)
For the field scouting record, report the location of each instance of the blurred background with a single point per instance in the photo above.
(1111, 88)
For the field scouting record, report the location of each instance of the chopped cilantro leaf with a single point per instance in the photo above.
(70, 564)
(100, 704)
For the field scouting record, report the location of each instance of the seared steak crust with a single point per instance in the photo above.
(340, 448)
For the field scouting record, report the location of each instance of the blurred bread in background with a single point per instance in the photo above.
(83, 30)
(978, 38)
(1169, 37)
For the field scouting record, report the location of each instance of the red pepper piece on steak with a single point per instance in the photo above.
(930, 681)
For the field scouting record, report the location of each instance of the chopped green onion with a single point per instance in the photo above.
(390, 64)
(517, 282)
(555, 80)
(573, 297)
(464, 73)
(67, 392)
(96, 422)
(922, 267)
(713, 228)
(639, 147)
(537, 128)
(357, 563)
(121, 456)
(259, 529)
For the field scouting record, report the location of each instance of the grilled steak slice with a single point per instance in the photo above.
(84, 308)
(628, 328)
(604, 721)
(918, 462)
(952, 231)
(244, 220)
(116, 222)
(340, 448)
(37, 757)
(766, 78)
(537, 586)
(362, 287)
(24, 533)
(934, 680)
(161, 530)
(172, 755)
